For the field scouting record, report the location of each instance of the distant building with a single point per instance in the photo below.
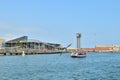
(89, 49)
(2, 44)
(108, 48)
(71, 49)
(24, 42)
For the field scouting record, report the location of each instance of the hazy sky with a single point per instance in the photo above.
(58, 21)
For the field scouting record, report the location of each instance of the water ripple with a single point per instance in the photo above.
(104, 66)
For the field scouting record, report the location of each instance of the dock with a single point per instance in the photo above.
(19, 51)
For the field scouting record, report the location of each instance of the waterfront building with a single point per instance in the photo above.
(108, 48)
(24, 42)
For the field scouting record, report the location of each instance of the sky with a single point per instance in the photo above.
(58, 21)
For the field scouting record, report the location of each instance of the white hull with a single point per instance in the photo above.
(76, 55)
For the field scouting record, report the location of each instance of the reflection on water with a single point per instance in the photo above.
(96, 66)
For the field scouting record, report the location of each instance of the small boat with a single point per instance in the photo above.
(78, 55)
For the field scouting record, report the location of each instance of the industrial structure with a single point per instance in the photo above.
(78, 36)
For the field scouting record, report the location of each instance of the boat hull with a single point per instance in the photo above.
(78, 56)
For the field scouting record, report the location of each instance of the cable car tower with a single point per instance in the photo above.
(78, 36)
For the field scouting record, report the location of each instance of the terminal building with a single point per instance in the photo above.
(24, 42)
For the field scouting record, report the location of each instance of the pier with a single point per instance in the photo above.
(20, 51)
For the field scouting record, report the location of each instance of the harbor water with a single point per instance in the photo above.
(95, 66)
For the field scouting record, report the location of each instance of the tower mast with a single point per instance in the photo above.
(78, 36)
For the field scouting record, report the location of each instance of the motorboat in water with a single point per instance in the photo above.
(78, 54)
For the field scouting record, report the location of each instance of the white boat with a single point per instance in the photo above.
(78, 55)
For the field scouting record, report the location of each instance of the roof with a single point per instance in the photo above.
(18, 39)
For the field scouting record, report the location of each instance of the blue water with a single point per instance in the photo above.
(96, 66)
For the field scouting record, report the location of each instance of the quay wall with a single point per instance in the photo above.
(20, 51)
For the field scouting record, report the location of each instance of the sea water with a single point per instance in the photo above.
(95, 66)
